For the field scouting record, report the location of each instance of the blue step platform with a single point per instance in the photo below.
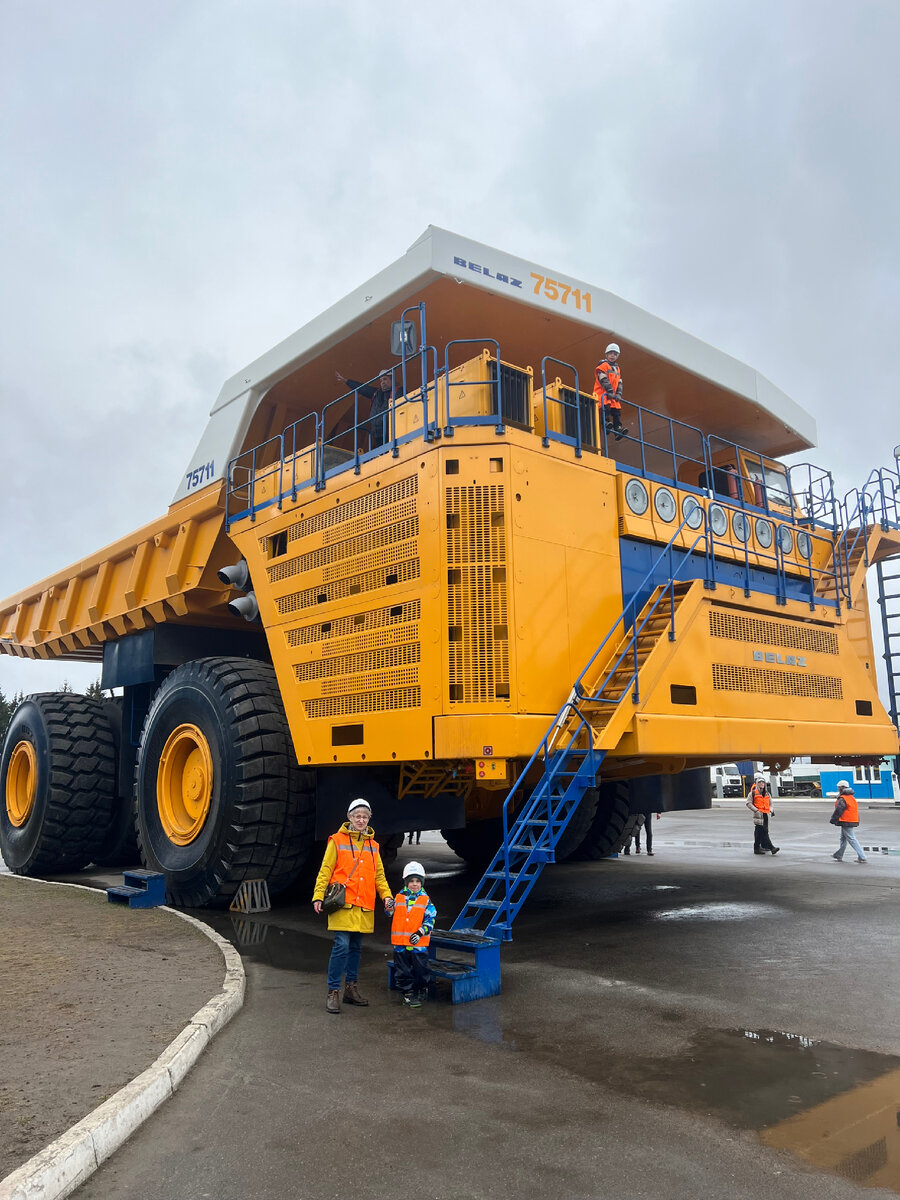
(474, 979)
(141, 889)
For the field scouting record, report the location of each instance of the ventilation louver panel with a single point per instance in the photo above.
(730, 678)
(784, 634)
(478, 637)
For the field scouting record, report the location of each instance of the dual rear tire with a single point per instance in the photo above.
(218, 798)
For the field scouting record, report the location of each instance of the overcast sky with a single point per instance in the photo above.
(186, 183)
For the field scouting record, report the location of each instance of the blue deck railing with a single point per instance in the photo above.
(425, 405)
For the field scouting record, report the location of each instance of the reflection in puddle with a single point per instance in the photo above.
(715, 911)
(837, 1109)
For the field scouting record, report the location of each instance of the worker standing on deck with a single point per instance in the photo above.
(846, 817)
(760, 804)
(608, 390)
(352, 858)
(380, 395)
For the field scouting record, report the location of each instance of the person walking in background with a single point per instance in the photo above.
(608, 390)
(760, 804)
(418, 836)
(352, 858)
(846, 817)
(413, 921)
(380, 395)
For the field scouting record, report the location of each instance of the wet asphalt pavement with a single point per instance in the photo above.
(700, 1023)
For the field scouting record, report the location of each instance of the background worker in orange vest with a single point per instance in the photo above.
(846, 817)
(414, 918)
(608, 390)
(760, 804)
(352, 858)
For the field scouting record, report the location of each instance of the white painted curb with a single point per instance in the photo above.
(67, 1162)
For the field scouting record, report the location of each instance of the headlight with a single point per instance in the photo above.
(763, 532)
(741, 527)
(692, 512)
(785, 540)
(664, 503)
(636, 497)
(718, 521)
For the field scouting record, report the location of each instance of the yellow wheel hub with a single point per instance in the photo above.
(184, 784)
(21, 783)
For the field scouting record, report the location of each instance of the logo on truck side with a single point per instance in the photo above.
(788, 660)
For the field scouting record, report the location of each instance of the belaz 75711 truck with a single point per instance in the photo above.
(456, 594)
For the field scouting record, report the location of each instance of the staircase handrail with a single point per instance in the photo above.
(570, 708)
(577, 690)
(873, 501)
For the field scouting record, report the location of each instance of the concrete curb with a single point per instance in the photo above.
(67, 1162)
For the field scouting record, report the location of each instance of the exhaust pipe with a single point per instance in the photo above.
(244, 606)
(237, 576)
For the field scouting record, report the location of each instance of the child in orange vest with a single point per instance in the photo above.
(413, 921)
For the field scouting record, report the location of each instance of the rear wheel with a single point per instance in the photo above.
(57, 780)
(476, 842)
(120, 848)
(219, 797)
(612, 826)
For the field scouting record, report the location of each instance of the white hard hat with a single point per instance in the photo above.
(613, 346)
(760, 779)
(414, 868)
(842, 783)
(360, 803)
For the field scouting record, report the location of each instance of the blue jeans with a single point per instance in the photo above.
(345, 954)
(848, 838)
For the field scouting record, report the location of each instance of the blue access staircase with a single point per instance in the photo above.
(569, 756)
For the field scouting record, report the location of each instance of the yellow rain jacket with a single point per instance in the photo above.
(351, 917)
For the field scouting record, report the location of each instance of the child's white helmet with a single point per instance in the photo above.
(414, 868)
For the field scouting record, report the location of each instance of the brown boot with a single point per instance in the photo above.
(352, 996)
(333, 1003)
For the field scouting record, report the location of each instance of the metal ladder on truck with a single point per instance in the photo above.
(589, 724)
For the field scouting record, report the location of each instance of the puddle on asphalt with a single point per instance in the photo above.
(837, 1109)
(714, 910)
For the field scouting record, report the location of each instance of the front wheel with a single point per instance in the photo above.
(219, 797)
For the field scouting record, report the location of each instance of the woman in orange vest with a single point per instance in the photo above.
(608, 390)
(760, 804)
(414, 918)
(846, 817)
(352, 858)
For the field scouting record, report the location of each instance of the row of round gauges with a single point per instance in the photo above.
(666, 507)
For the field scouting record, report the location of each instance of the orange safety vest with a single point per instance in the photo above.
(407, 919)
(763, 803)
(614, 375)
(360, 885)
(850, 815)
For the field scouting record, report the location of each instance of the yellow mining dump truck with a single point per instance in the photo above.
(455, 591)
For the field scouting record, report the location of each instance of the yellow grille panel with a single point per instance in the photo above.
(401, 572)
(478, 640)
(378, 681)
(729, 678)
(365, 512)
(356, 664)
(370, 702)
(339, 552)
(739, 628)
(346, 627)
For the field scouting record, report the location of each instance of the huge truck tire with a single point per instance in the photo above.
(612, 826)
(579, 826)
(57, 779)
(477, 842)
(219, 797)
(119, 848)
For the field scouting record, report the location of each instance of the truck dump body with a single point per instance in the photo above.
(476, 599)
